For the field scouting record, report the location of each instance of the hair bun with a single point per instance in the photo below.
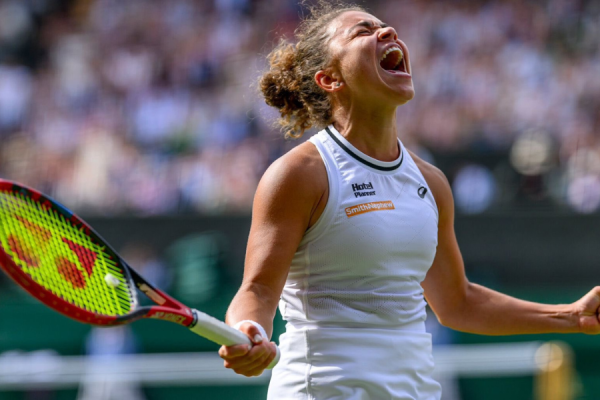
(289, 84)
(279, 94)
(279, 85)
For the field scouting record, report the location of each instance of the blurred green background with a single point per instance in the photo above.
(539, 258)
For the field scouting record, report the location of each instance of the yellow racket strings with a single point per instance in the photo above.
(60, 257)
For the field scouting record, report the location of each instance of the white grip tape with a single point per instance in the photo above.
(264, 335)
(276, 359)
(258, 326)
(217, 331)
(221, 333)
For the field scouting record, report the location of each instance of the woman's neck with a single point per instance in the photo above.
(371, 131)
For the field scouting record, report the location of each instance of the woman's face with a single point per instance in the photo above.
(371, 61)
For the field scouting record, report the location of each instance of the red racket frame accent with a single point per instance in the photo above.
(170, 310)
(48, 298)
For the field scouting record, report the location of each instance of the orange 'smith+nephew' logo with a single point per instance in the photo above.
(368, 207)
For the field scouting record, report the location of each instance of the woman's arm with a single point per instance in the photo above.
(289, 199)
(465, 306)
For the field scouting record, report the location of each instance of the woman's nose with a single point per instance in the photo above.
(387, 33)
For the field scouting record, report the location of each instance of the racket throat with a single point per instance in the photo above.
(152, 294)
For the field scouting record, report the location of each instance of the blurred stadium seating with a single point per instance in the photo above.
(102, 99)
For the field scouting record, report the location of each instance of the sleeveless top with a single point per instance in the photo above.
(362, 263)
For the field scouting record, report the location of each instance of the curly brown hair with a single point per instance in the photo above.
(289, 84)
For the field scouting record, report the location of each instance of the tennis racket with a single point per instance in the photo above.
(61, 261)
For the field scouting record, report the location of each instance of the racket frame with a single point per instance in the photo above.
(168, 308)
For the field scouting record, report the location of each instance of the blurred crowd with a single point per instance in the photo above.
(151, 107)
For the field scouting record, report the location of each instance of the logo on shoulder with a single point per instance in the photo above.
(422, 192)
(358, 188)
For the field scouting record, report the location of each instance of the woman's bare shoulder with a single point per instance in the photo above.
(298, 175)
(304, 156)
(303, 161)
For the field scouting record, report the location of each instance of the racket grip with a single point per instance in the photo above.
(219, 332)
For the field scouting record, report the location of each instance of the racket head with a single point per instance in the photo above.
(62, 261)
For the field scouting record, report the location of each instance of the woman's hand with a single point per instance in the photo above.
(249, 360)
(587, 311)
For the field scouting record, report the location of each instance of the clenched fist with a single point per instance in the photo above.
(249, 360)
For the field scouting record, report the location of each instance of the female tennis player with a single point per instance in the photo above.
(351, 232)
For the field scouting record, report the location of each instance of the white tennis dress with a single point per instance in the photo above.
(353, 301)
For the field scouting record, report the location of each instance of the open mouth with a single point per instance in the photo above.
(393, 60)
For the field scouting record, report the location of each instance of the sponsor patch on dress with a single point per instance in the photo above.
(368, 207)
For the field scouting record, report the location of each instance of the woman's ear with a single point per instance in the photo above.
(328, 82)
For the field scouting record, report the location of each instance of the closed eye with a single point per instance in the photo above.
(365, 28)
